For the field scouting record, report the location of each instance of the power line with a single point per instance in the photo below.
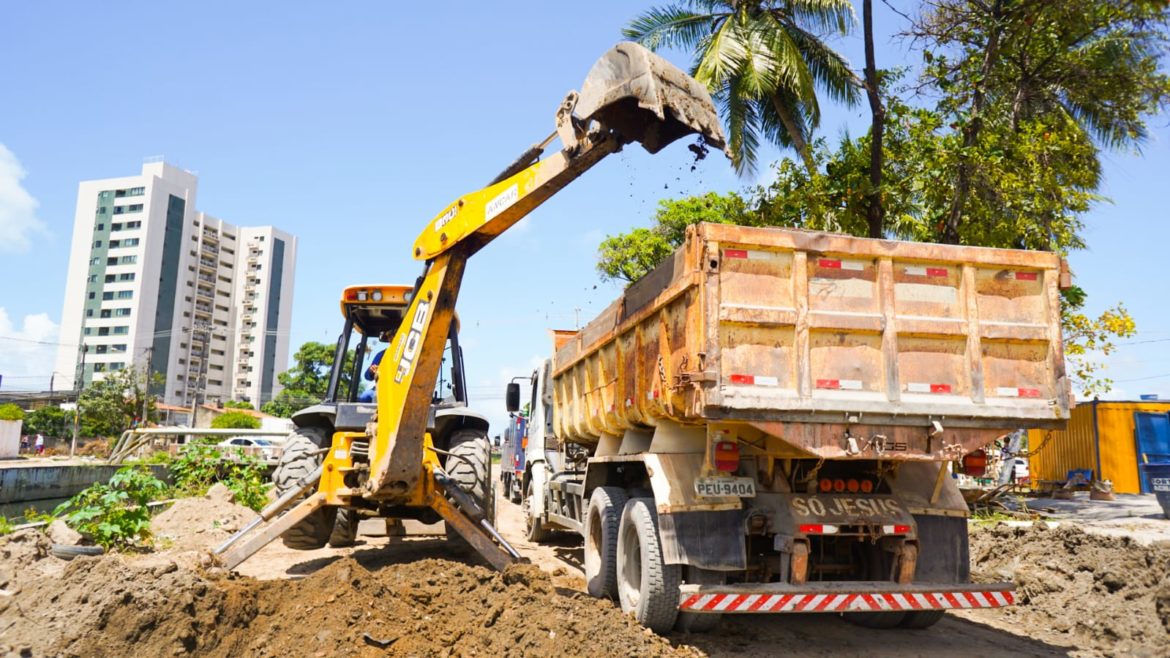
(1142, 379)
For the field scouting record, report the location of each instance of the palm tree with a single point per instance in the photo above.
(763, 61)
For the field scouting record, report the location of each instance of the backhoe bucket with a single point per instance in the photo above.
(647, 99)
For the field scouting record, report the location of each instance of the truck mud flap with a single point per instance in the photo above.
(704, 539)
(943, 553)
(842, 597)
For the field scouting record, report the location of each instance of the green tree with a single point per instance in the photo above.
(108, 406)
(306, 383)
(763, 60)
(50, 421)
(236, 420)
(233, 404)
(10, 411)
(1005, 69)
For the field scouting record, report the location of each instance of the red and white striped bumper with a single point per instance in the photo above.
(771, 599)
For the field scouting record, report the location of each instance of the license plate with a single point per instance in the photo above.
(1160, 484)
(725, 486)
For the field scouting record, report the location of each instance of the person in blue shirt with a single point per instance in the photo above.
(372, 371)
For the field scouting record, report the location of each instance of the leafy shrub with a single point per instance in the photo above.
(115, 514)
(236, 420)
(5, 526)
(201, 464)
(31, 515)
(232, 404)
(11, 412)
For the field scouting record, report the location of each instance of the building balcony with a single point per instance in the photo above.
(207, 264)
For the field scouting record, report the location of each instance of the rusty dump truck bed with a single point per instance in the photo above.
(804, 335)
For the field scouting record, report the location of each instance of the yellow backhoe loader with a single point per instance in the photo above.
(393, 464)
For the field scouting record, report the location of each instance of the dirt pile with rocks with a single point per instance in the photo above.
(197, 524)
(131, 605)
(1104, 595)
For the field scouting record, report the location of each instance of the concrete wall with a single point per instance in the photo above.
(10, 438)
(31, 483)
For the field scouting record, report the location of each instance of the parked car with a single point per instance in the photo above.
(1020, 469)
(256, 446)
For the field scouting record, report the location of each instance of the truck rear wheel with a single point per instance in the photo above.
(945, 558)
(469, 464)
(647, 586)
(696, 622)
(298, 460)
(601, 532)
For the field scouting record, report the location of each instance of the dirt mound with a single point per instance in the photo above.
(115, 605)
(1105, 594)
(195, 524)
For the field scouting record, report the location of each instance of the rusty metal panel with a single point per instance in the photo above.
(1073, 448)
(797, 332)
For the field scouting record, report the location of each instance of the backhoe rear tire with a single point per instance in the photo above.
(469, 464)
(297, 461)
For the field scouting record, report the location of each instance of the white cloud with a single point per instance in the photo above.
(18, 208)
(26, 361)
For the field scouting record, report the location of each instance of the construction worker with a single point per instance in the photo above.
(372, 370)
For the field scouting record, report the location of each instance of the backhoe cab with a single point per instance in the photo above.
(395, 463)
(371, 312)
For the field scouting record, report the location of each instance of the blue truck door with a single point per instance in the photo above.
(521, 445)
(1153, 441)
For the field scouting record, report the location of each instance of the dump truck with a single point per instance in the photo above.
(390, 459)
(512, 457)
(764, 423)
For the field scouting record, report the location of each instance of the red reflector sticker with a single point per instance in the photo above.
(743, 379)
(735, 253)
(828, 383)
(1026, 276)
(940, 388)
(1029, 392)
(936, 271)
(829, 263)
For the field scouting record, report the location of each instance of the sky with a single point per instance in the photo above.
(352, 124)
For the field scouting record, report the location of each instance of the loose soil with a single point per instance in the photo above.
(1102, 595)
(125, 605)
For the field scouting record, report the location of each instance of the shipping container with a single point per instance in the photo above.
(1101, 437)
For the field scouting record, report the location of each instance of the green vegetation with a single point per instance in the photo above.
(10, 411)
(5, 526)
(233, 404)
(50, 421)
(115, 514)
(307, 381)
(236, 420)
(201, 464)
(109, 406)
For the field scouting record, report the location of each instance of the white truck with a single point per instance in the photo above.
(764, 423)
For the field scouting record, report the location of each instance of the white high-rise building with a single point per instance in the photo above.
(154, 283)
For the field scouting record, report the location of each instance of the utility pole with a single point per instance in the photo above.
(79, 384)
(146, 386)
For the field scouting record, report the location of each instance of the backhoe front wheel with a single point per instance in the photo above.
(328, 525)
(469, 464)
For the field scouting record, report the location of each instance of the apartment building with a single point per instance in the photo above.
(154, 283)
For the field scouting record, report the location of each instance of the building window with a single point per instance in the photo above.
(88, 331)
(125, 294)
(133, 191)
(103, 331)
(134, 224)
(117, 365)
(97, 244)
(112, 261)
(107, 295)
(92, 295)
(101, 227)
(114, 244)
(105, 313)
(127, 260)
(126, 276)
(114, 227)
(89, 312)
(92, 278)
(121, 312)
(121, 210)
(110, 278)
(118, 347)
(101, 211)
(95, 261)
(130, 242)
(101, 349)
(121, 330)
(99, 367)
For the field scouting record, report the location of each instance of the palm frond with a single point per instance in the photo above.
(670, 27)
(742, 119)
(821, 15)
(829, 69)
(720, 54)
